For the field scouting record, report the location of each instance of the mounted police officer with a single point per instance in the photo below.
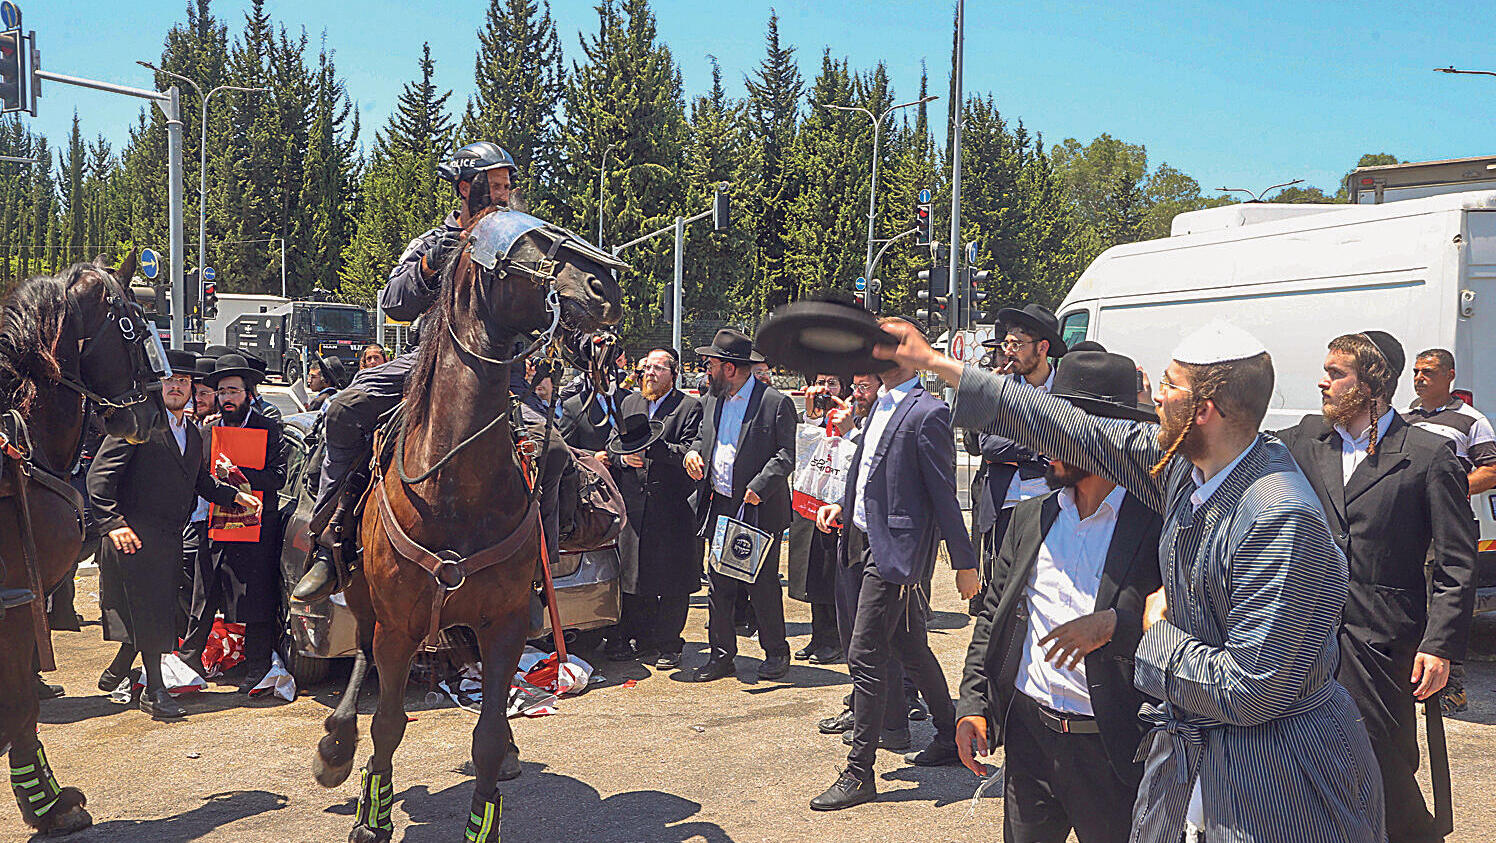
(482, 175)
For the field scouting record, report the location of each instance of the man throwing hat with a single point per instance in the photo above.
(1255, 739)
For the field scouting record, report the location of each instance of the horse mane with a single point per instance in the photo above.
(433, 324)
(30, 330)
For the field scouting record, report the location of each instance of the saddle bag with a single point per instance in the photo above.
(600, 516)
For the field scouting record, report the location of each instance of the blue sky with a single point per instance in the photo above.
(1240, 94)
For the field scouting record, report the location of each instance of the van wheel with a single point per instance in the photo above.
(308, 670)
(291, 371)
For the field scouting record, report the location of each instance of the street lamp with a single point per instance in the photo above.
(202, 173)
(1451, 69)
(602, 174)
(872, 197)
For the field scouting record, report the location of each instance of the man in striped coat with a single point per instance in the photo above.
(1240, 645)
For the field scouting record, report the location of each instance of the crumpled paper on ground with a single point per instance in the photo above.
(533, 689)
(175, 674)
(225, 648)
(278, 681)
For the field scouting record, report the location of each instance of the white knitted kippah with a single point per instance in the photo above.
(1217, 342)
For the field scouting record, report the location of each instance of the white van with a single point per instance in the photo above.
(1297, 276)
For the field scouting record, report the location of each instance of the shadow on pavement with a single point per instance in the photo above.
(940, 786)
(69, 709)
(217, 811)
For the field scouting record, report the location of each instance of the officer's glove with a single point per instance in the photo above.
(442, 252)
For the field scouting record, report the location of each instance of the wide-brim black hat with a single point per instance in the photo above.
(636, 430)
(1039, 319)
(231, 365)
(333, 371)
(1102, 384)
(181, 362)
(825, 336)
(731, 345)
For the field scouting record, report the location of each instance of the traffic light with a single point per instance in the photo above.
(12, 80)
(189, 294)
(979, 278)
(874, 298)
(721, 218)
(860, 298)
(934, 288)
(210, 301)
(922, 224)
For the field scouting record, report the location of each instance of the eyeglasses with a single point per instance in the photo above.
(655, 367)
(864, 387)
(1014, 345)
(228, 391)
(1163, 381)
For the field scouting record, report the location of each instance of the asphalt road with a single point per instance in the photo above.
(661, 760)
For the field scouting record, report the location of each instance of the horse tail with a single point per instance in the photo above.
(335, 750)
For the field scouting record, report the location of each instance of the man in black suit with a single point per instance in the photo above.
(900, 500)
(1049, 670)
(142, 495)
(669, 552)
(741, 460)
(1395, 497)
(243, 578)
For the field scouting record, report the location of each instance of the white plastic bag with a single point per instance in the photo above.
(178, 677)
(278, 681)
(822, 462)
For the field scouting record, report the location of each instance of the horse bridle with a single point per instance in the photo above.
(146, 355)
(541, 273)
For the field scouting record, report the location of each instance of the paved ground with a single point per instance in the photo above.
(734, 760)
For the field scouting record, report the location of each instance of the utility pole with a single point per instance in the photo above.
(957, 296)
(719, 213)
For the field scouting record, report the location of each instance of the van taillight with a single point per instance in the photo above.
(1464, 395)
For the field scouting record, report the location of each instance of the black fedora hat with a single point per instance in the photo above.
(1038, 319)
(181, 362)
(731, 345)
(636, 430)
(1101, 383)
(825, 336)
(253, 360)
(231, 365)
(204, 366)
(333, 370)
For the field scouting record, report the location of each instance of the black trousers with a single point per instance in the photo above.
(764, 593)
(194, 556)
(891, 624)
(657, 621)
(848, 587)
(1054, 783)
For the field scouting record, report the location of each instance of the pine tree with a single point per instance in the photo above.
(773, 111)
(717, 265)
(519, 79)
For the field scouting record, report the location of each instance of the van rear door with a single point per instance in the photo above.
(1475, 362)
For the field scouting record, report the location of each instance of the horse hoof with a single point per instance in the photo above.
(328, 775)
(67, 814)
(68, 822)
(509, 768)
(364, 834)
(335, 751)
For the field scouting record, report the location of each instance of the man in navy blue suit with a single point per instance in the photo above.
(900, 501)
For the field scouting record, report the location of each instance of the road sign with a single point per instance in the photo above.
(924, 195)
(209, 274)
(971, 253)
(150, 263)
(860, 284)
(958, 345)
(10, 14)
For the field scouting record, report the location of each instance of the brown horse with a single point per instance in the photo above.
(68, 344)
(451, 534)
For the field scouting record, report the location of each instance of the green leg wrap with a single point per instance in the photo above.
(35, 787)
(483, 820)
(375, 800)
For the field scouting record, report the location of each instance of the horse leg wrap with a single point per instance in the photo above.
(375, 799)
(36, 789)
(483, 819)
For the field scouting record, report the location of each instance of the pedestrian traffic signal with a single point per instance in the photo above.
(922, 224)
(979, 279)
(874, 298)
(210, 301)
(12, 80)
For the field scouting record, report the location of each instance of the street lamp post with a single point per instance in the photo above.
(202, 173)
(872, 198)
(602, 185)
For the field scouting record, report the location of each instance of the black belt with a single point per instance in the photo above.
(1067, 724)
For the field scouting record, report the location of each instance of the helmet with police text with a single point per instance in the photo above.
(473, 159)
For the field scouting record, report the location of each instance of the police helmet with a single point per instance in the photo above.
(473, 159)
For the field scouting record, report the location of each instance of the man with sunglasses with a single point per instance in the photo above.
(481, 175)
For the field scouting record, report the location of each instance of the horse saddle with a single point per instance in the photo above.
(600, 516)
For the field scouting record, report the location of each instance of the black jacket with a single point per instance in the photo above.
(277, 452)
(1130, 574)
(152, 483)
(765, 459)
(669, 551)
(590, 430)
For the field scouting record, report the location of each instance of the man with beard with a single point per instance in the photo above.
(1010, 473)
(1049, 670)
(142, 495)
(1395, 497)
(669, 552)
(1254, 738)
(481, 176)
(741, 460)
(243, 578)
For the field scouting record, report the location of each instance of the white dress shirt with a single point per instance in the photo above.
(1061, 588)
(654, 406)
(178, 423)
(1019, 489)
(1353, 449)
(877, 420)
(729, 428)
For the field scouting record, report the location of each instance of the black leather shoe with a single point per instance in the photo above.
(937, 754)
(159, 705)
(667, 661)
(895, 740)
(109, 680)
(836, 725)
(804, 653)
(45, 691)
(917, 709)
(827, 655)
(848, 791)
(319, 581)
(774, 667)
(620, 651)
(713, 670)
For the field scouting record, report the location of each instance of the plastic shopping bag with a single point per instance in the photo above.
(822, 461)
(738, 548)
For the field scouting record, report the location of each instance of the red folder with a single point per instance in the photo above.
(245, 448)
